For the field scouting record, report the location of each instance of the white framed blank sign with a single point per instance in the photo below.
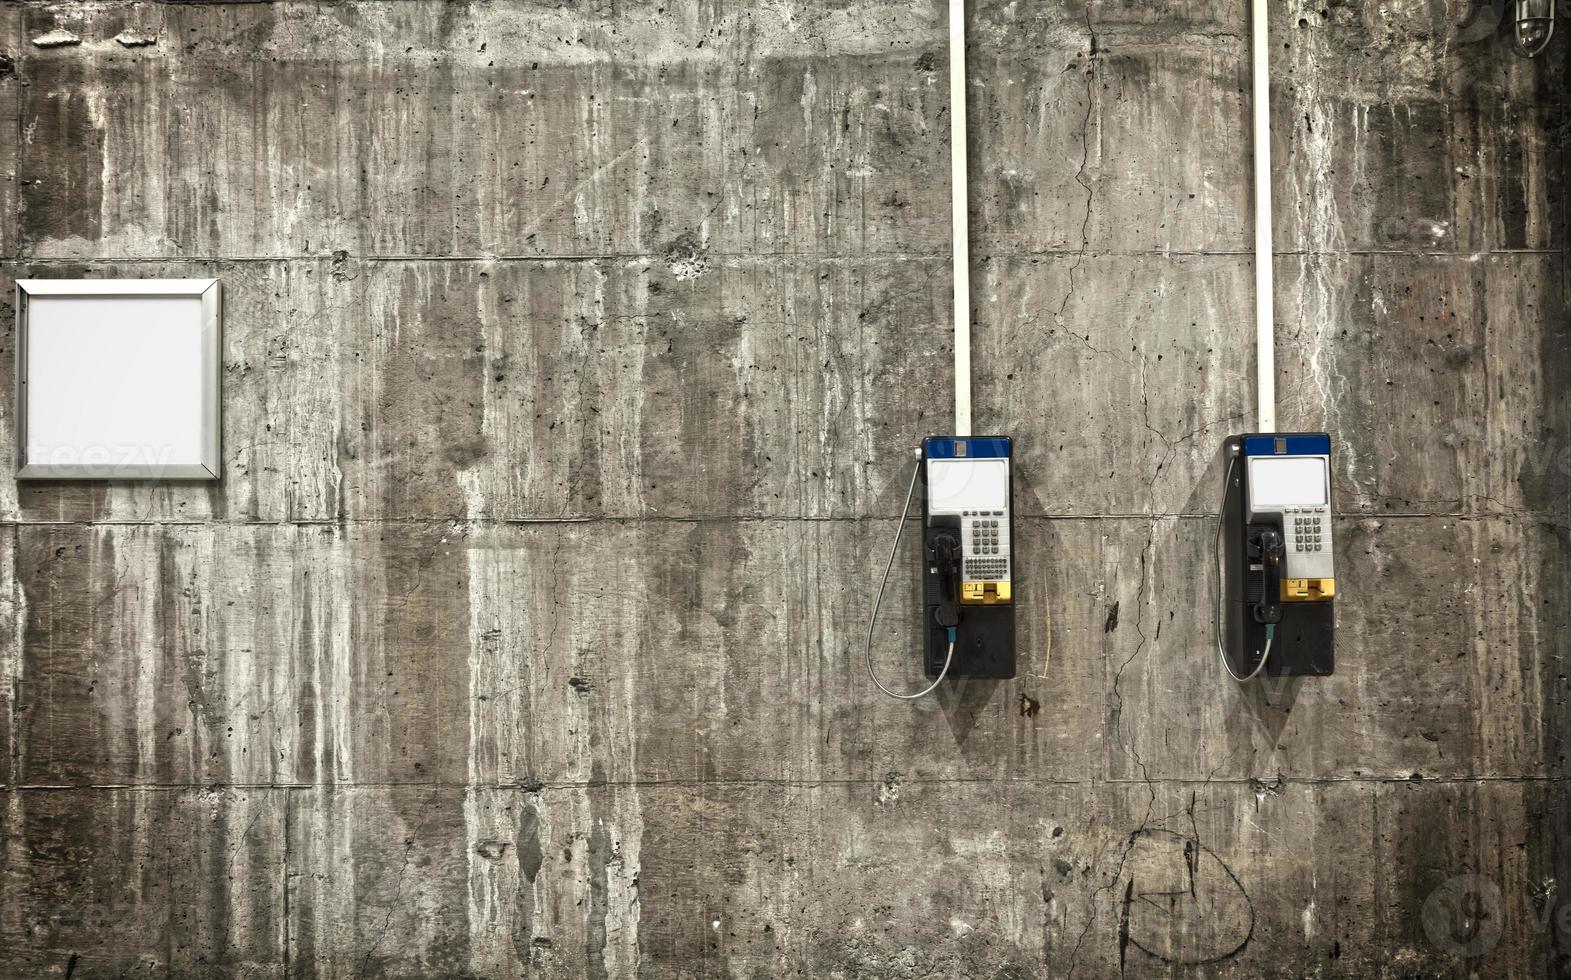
(118, 379)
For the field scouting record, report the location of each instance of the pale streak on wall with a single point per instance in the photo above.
(571, 370)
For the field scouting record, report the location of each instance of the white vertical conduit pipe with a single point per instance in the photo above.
(1265, 317)
(960, 215)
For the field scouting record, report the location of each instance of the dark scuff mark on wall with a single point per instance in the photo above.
(311, 673)
(179, 620)
(1123, 926)
(1547, 486)
(1550, 491)
(531, 856)
(61, 170)
(599, 856)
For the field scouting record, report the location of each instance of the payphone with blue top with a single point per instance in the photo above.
(968, 555)
(1277, 576)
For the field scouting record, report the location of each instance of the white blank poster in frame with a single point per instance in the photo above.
(117, 379)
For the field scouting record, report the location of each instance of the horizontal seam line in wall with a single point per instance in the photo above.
(1276, 779)
(482, 522)
(760, 255)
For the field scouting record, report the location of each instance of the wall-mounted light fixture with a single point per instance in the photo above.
(117, 379)
(1533, 26)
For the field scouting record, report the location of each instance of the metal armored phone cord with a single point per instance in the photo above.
(1216, 552)
(879, 598)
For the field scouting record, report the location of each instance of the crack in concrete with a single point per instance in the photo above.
(1128, 747)
(398, 893)
(1147, 558)
(1085, 161)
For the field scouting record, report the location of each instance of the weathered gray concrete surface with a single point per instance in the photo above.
(573, 357)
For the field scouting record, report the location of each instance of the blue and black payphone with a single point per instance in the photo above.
(1277, 575)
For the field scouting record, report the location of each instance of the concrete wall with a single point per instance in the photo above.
(573, 357)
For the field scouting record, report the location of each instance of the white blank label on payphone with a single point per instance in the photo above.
(1287, 481)
(956, 485)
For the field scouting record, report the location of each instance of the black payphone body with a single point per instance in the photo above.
(1278, 578)
(968, 555)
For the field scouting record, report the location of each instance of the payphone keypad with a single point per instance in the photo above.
(1309, 532)
(984, 536)
(986, 545)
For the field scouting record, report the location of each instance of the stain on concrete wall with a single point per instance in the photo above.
(573, 356)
